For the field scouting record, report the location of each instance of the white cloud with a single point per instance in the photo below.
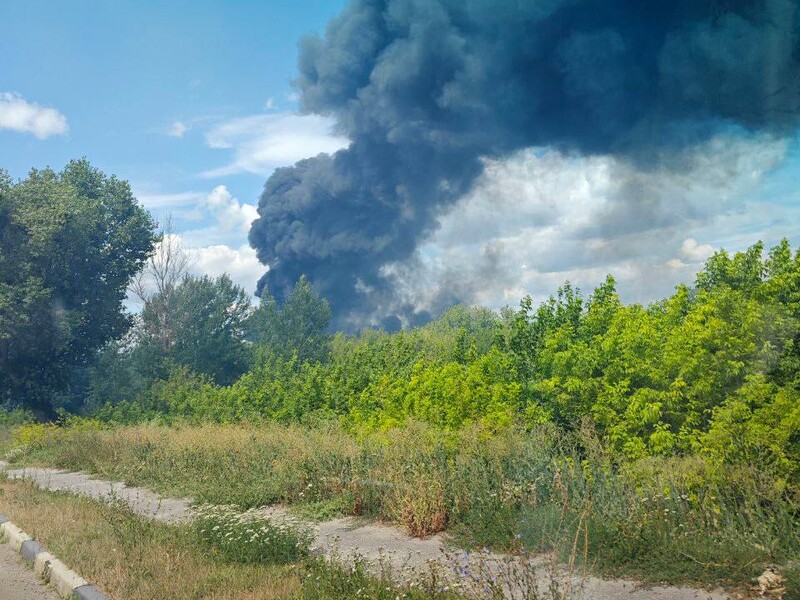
(17, 114)
(224, 215)
(230, 214)
(676, 263)
(212, 227)
(260, 143)
(177, 129)
(218, 247)
(240, 263)
(538, 218)
(696, 252)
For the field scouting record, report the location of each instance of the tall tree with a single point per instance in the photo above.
(198, 324)
(298, 327)
(70, 242)
(157, 283)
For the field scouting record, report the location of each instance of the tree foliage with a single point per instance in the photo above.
(298, 327)
(196, 325)
(208, 325)
(712, 369)
(70, 242)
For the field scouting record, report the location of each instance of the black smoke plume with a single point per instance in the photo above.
(425, 88)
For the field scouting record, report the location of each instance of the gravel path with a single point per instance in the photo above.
(141, 501)
(345, 537)
(18, 581)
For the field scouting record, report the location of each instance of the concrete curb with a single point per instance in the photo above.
(67, 582)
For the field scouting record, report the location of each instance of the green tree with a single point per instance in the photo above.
(115, 375)
(758, 425)
(744, 271)
(205, 318)
(70, 242)
(298, 327)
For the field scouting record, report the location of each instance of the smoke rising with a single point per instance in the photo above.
(426, 90)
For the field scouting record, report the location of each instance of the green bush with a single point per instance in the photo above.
(670, 433)
(14, 417)
(710, 370)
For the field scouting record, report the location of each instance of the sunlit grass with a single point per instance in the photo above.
(133, 558)
(676, 520)
(129, 557)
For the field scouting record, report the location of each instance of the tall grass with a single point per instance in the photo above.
(9, 421)
(680, 519)
(134, 558)
(251, 536)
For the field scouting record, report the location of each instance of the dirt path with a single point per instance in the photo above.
(345, 537)
(18, 581)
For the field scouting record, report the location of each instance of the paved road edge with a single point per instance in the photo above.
(67, 582)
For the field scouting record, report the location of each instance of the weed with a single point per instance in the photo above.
(357, 578)
(791, 579)
(96, 539)
(251, 536)
(323, 510)
(131, 534)
(674, 520)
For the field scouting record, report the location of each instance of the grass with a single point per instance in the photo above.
(9, 421)
(128, 557)
(791, 577)
(250, 536)
(137, 559)
(681, 520)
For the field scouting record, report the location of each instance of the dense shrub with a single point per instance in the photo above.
(710, 370)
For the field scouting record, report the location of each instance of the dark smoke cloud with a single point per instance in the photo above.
(425, 89)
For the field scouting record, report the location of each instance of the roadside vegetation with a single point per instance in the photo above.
(665, 437)
(139, 559)
(679, 519)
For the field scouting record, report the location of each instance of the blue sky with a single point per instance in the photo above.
(192, 103)
(126, 75)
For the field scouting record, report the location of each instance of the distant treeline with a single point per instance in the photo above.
(711, 370)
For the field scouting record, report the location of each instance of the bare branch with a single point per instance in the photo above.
(156, 283)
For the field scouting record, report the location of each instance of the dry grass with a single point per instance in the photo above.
(422, 506)
(676, 520)
(133, 559)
